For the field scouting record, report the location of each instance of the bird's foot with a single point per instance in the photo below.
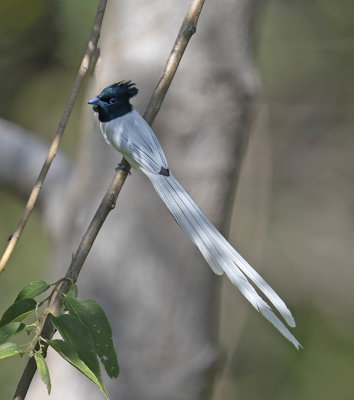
(123, 167)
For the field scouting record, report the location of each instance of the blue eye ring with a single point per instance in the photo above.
(113, 100)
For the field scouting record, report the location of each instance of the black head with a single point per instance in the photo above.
(113, 101)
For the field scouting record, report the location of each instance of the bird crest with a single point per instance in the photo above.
(120, 89)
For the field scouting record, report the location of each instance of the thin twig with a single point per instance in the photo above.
(188, 28)
(84, 66)
(109, 200)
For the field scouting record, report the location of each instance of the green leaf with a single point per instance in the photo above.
(43, 370)
(10, 349)
(73, 291)
(18, 311)
(75, 333)
(32, 289)
(68, 352)
(91, 314)
(9, 330)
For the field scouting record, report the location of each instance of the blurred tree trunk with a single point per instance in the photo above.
(248, 229)
(157, 290)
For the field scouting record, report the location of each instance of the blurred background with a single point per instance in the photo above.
(297, 181)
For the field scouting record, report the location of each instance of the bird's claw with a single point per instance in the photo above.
(123, 167)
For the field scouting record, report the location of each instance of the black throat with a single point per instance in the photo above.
(112, 111)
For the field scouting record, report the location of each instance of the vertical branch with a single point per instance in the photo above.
(84, 66)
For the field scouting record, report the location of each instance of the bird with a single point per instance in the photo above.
(125, 130)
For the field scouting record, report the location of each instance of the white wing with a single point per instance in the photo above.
(133, 137)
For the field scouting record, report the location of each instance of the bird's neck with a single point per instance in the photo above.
(107, 114)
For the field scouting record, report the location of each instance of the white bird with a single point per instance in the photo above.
(125, 130)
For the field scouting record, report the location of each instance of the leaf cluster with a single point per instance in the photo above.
(83, 325)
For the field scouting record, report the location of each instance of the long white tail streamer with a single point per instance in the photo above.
(219, 254)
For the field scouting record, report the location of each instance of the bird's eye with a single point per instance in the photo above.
(113, 100)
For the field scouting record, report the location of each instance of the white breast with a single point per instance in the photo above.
(112, 131)
(117, 133)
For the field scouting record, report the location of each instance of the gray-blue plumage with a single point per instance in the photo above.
(124, 129)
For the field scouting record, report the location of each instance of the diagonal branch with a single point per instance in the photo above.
(109, 200)
(188, 28)
(88, 57)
